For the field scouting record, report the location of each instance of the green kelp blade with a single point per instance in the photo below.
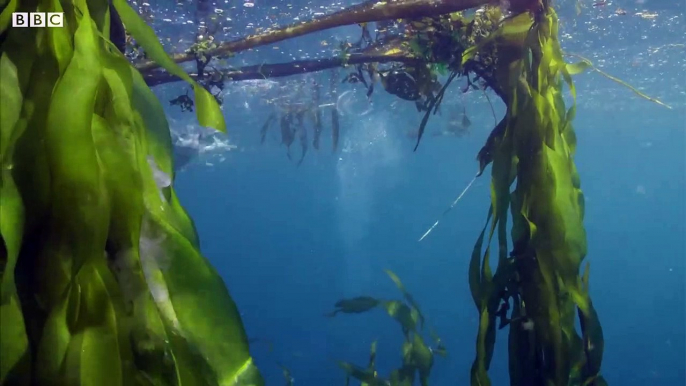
(206, 316)
(149, 343)
(60, 39)
(154, 123)
(475, 282)
(208, 112)
(372, 356)
(592, 331)
(202, 320)
(11, 204)
(37, 74)
(15, 357)
(141, 330)
(408, 296)
(546, 215)
(157, 143)
(367, 377)
(100, 14)
(99, 354)
(6, 15)
(403, 314)
(578, 68)
(159, 356)
(10, 108)
(80, 211)
(55, 341)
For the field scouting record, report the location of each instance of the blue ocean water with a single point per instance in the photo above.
(290, 241)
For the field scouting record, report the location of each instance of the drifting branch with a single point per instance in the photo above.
(369, 11)
(278, 70)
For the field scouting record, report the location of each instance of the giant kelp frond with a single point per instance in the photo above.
(102, 278)
(535, 146)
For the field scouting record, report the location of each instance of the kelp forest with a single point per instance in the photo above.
(102, 278)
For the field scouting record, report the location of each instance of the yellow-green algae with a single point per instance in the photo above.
(103, 282)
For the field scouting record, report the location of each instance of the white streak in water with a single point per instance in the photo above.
(459, 197)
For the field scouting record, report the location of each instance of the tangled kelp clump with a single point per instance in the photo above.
(417, 357)
(102, 279)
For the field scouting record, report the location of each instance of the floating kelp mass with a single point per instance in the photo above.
(103, 282)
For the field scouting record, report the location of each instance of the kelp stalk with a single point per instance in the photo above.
(369, 11)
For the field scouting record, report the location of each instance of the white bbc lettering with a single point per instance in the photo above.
(55, 19)
(37, 19)
(20, 19)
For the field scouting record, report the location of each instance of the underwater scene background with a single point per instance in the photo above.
(291, 240)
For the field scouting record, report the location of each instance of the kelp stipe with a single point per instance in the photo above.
(102, 278)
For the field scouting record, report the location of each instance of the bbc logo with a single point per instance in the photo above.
(37, 19)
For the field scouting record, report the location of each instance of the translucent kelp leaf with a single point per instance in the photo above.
(577, 68)
(208, 317)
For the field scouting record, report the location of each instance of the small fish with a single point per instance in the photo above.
(290, 381)
(356, 305)
(184, 101)
(458, 127)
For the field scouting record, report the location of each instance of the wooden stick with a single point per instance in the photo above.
(278, 70)
(369, 11)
